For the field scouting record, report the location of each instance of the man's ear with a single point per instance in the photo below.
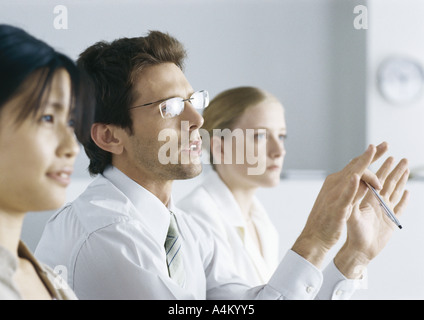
(217, 150)
(108, 137)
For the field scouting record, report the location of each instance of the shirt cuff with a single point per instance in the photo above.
(296, 278)
(337, 287)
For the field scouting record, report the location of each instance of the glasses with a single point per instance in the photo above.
(170, 108)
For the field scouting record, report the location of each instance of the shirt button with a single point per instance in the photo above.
(310, 289)
(339, 292)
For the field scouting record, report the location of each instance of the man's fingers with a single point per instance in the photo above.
(400, 207)
(371, 178)
(380, 150)
(358, 167)
(359, 164)
(400, 186)
(385, 169)
(393, 178)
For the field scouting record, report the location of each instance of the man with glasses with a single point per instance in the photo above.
(123, 237)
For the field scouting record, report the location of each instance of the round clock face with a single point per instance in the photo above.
(400, 80)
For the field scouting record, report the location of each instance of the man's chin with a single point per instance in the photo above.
(187, 171)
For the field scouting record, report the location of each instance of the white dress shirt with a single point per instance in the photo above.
(111, 242)
(214, 203)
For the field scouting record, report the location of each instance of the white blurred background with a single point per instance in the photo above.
(321, 58)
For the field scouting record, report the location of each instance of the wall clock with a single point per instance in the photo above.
(400, 80)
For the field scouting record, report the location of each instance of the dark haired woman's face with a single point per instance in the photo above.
(37, 155)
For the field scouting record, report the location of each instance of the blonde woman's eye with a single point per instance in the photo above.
(283, 137)
(260, 136)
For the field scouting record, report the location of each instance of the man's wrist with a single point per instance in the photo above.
(351, 263)
(311, 250)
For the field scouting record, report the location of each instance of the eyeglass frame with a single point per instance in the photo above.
(163, 100)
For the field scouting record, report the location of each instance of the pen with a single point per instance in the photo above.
(389, 212)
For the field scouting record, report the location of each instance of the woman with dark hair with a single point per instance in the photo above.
(40, 112)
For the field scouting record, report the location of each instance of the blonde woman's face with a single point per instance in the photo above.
(37, 155)
(264, 130)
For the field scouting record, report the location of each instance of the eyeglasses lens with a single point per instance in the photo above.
(172, 107)
(175, 106)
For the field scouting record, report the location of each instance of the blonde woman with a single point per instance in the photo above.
(225, 202)
(234, 211)
(38, 111)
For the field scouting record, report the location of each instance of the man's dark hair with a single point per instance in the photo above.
(114, 68)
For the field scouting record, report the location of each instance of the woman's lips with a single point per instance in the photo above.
(63, 177)
(273, 168)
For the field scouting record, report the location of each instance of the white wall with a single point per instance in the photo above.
(396, 28)
(289, 47)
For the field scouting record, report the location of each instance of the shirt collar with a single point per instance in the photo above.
(152, 212)
(224, 199)
(226, 202)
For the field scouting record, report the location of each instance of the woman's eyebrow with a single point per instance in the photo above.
(58, 106)
(282, 129)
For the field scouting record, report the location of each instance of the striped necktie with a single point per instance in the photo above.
(174, 257)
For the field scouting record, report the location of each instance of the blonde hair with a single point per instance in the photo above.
(228, 106)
